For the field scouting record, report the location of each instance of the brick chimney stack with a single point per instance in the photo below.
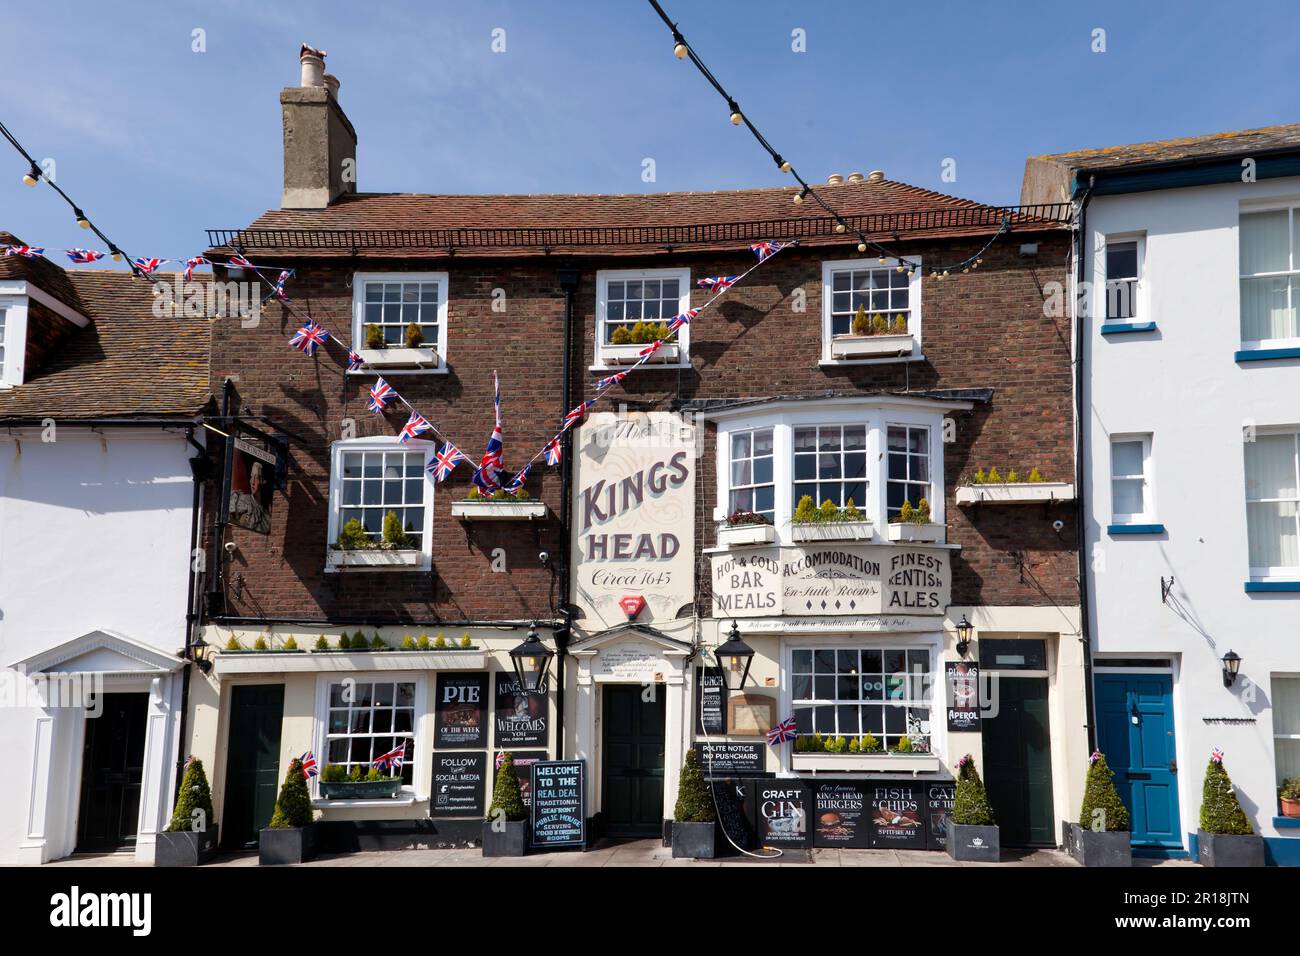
(320, 145)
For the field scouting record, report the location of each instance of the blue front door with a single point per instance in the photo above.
(1135, 730)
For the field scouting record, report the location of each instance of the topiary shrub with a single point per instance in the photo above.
(290, 643)
(408, 643)
(345, 642)
(507, 800)
(900, 324)
(1035, 476)
(293, 806)
(879, 325)
(1220, 810)
(922, 515)
(971, 806)
(353, 537)
(321, 644)
(412, 337)
(805, 512)
(195, 796)
(377, 643)
(465, 641)
(395, 536)
(694, 802)
(260, 644)
(621, 335)
(1102, 807)
(374, 337)
(233, 645)
(904, 745)
(861, 325)
(334, 773)
(870, 745)
(423, 642)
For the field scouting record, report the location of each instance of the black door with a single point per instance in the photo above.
(632, 795)
(112, 768)
(1018, 763)
(252, 762)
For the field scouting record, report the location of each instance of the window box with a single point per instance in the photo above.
(360, 789)
(732, 535)
(909, 531)
(400, 358)
(669, 353)
(377, 558)
(833, 531)
(499, 510)
(883, 762)
(1016, 492)
(870, 346)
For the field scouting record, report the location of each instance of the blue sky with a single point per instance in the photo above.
(158, 142)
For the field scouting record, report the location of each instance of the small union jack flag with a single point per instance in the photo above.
(445, 461)
(577, 414)
(683, 319)
(354, 361)
(415, 425)
(309, 766)
(782, 732)
(148, 266)
(553, 452)
(718, 283)
(765, 250)
(609, 380)
(27, 252)
(487, 477)
(192, 263)
(310, 337)
(84, 255)
(1216, 755)
(394, 758)
(517, 482)
(238, 262)
(650, 349)
(381, 393)
(278, 289)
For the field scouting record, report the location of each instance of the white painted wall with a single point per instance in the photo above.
(1183, 385)
(94, 535)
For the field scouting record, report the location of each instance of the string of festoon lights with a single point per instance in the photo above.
(684, 51)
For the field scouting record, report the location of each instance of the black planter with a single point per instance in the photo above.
(974, 844)
(511, 841)
(1222, 849)
(289, 845)
(693, 841)
(1097, 847)
(185, 847)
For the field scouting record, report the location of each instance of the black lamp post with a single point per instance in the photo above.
(734, 655)
(964, 629)
(1231, 664)
(531, 659)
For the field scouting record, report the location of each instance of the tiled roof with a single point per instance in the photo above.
(1238, 143)
(126, 363)
(40, 271)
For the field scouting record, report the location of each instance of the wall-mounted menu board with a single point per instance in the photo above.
(898, 815)
(843, 814)
(458, 784)
(711, 700)
(461, 711)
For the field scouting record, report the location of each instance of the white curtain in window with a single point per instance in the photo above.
(1286, 720)
(1271, 467)
(1267, 311)
(1271, 534)
(1265, 245)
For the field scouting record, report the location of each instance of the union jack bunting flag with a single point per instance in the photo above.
(488, 474)
(148, 266)
(394, 758)
(445, 461)
(29, 252)
(191, 263)
(553, 452)
(518, 480)
(84, 255)
(718, 283)
(381, 393)
(278, 289)
(576, 415)
(683, 319)
(415, 425)
(782, 732)
(309, 766)
(1216, 755)
(238, 262)
(354, 361)
(310, 337)
(765, 250)
(609, 380)
(650, 349)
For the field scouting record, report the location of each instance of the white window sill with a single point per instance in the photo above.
(909, 532)
(323, 803)
(376, 560)
(833, 531)
(884, 345)
(833, 362)
(415, 360)
(499, 510)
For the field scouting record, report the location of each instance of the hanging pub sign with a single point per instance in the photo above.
(711, 700)
(254, 466)
(782, 808)
(559, 810)
(941, 797)
(963, 678)
(843, 814)
(722, 758)
(461, 711)
(520, 718)
(458, 785)
(897, 815)
(522, 761)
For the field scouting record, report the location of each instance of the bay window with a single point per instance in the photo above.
(1273, 505)
(830, 464)
(855, 691)
(1269, 247)
(909, 467)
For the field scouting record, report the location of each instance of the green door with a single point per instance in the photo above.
(1018, 762)
(632, 794)
(252, 762)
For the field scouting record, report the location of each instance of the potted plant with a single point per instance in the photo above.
(627, 342)
(973, 834)
(375, 337)
(291, 835)
(875, 337)
(694, 816)
(914, 524)
(505, 831)
(191, 836)
(1225, 837)
(829, 522)
(411, 351)
(335, 784)
(745, 527)
(1101, 837)
(1289, 795)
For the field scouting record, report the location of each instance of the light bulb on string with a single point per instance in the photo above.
(32, 176)
(785, 165)
(736, 118)
(82, 221)
(839, 227)
(862, 247)
(798, 197)
(679, 50)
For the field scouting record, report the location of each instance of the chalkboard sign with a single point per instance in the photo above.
(843, 814)
(963, 678)
(898, 815)
(782, 807)
(559, 810)
(711, 700)
(940, 797)
(735, 802)
(520, 718)
(523, 761)
(461, 711)
(458, 785)
(719, 757)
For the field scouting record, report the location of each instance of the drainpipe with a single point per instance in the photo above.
(198, 471)
(569, 283)
(1085, 619)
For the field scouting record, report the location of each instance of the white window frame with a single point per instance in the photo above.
(1279, 736)
(1272, 573)
(382, 444)
(12, 366)
(359, 280)
(683, 337)
(884, 474)
(751, 486)
(1148, 516)
(1292, 207)
(876, 414)
(421, 772)
(830, 267)
(1141, 308)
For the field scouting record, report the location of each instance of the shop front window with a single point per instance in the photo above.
(368, 719)
(856, 692)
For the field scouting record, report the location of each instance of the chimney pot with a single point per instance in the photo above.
(312, 61)
(856, 177)
(876, 176)
(332, 84)
(834, 179)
